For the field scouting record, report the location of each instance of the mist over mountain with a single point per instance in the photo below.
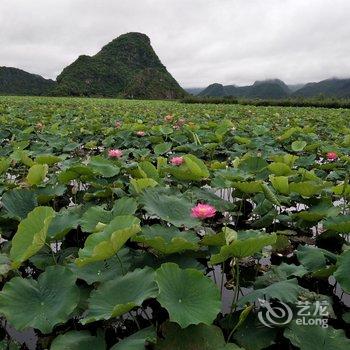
(194, 90)
(295, 87)
(338, 88)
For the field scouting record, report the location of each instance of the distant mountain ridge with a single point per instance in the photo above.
(126, 67)
(14, 81)
(267, 89)
(194, 90)
(339, 88)
(277, 89)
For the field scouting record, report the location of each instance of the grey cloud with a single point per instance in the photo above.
(200, 41)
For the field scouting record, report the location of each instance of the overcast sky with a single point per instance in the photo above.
(199, 41)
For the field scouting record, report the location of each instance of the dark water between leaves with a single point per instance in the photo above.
(29, 338)
(227, 295)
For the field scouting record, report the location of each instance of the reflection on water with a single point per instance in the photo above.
(27, 337)
(227, 295)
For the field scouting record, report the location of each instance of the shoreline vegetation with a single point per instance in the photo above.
(321, 102)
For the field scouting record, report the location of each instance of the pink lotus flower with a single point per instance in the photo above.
(181, 122)
(118, 124)
(140, 133)
(332, 156)
(203, 211)
(115, 153)
(177, 160)
(39, 126)
(168, 118)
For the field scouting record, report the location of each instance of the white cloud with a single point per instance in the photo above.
(200, 41)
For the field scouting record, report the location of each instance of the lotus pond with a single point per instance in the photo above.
(130, 225)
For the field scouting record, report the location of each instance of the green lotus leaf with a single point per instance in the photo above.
(8, 344)
(253, 164)
(104, 244)
(103, 167)
(171, 208)
(201, 336)
(214, 239)
(166, 129)
(124, 206)
(298, 146)
(286, 291)
(149, 170)
(93, 216)
(248, 186)
(37, 174)
(48, 159)
(308, 159)
(247, 244)
(280, 169)
(314, 258)
(103, 271)
(306, 188)
(167, 240)
(162, 148)
(63, 222)
(308, 174)
(23, 157)
(19, 202)
(40, 304)
(78, 340)
(49, 192)
(188, 295)
(192, 168)
(4, 164)
(280, 184)
(269, 194)
(342, 273)
(265, 220)
(346, 317)
(69, 147)
(75, 172)
(339, 224)
(139, 185)
(209, 196)
(316, 337)
(264, 206)
(31, 235)
(44, 258)
(253, 335)
(279, 273)
(288, 159)
(120, 295)
(5, 265)
(136, 172)
(242, 140)
(318, 212)
(223, 128)
(137, 340)
(341, 190)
